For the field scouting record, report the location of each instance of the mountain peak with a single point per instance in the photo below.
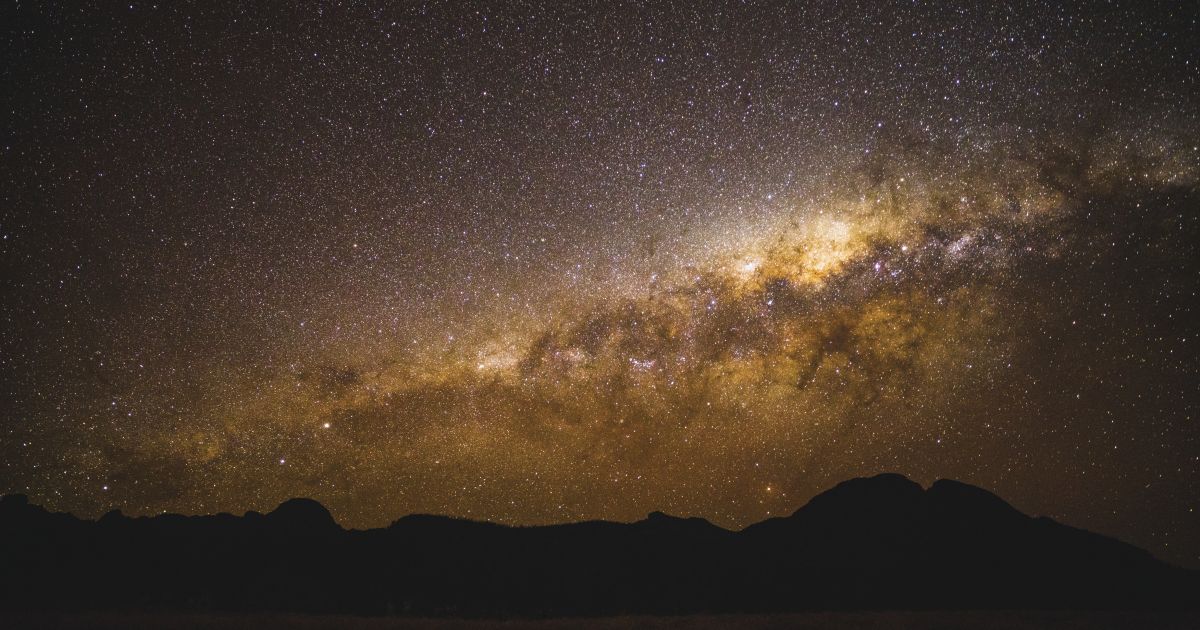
(113, 516)
(662, 517)
(303, 514)
(967, 499)
(883, 491)
(881, 483)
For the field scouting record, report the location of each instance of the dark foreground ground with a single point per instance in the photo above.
(987, 620)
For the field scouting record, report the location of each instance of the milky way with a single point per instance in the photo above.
(539, 263)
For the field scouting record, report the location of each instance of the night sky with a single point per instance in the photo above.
(544, 262)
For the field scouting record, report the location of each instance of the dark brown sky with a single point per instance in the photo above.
(537, 262)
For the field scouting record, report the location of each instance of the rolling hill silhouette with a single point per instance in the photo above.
(872, 543)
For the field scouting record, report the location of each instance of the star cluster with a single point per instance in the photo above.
(541, 262)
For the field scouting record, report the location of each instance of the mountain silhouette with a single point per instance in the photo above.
(871, 543)
(302, 516)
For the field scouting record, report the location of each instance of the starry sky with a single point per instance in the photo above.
(538, 262)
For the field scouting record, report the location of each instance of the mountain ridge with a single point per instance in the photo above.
(881, 542)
